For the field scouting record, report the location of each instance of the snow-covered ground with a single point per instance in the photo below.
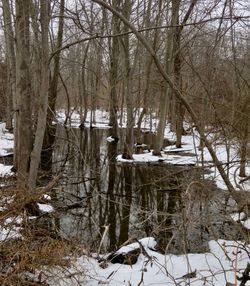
(225, 261)
(6, 147)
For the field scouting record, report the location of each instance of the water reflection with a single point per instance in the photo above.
(131, 200)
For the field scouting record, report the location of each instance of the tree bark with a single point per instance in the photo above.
(23, 91)
(244, 138)
(170, 71)
(53, 85)
(114, 55)
(129, 140)
(11, 67)
(43, 100)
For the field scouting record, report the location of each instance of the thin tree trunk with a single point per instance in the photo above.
(149, 62)
(11, 69)
(169, 70)
(43, 100)
(129, 141)
(83, 92)
(53, 85)
(244, 138)
(114, 55)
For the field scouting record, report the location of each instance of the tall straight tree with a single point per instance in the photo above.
(114, 48)
(129, 140)
(11, 62)
(11, 69)
(53, 85)
(170, 71)
(43, 100)
(23, 91)
(178, 106)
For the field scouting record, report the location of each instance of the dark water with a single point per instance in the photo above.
(172, 204)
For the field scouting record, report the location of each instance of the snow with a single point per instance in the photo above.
(5, 170)
(225, 260)
(147, 242)
(110, 139)
(149, 158)
(221, 264)
(246, 223)
(7, 233)
(45, 208)
(6, 147)
(238, 216)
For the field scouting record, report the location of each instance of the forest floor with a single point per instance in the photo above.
(225, 261)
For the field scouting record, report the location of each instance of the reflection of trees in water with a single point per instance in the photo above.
(110, 201)
(133, 201)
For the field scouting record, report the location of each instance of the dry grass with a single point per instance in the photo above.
(39, 246)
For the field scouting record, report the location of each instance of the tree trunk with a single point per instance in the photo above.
(43, 100)
(169, 70)
(129, 141)
(53, 84)
(11, 69)
(23, 91)
(244, 138)
(114, 57)
(149, 63)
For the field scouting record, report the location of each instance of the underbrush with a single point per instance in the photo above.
(30, 245)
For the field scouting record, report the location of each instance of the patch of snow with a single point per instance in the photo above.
(9, 233)
(45, 208)
(5, 170)
(150, 158)
(148, 243)
(238, 216)
(47, 197)
(246, 223)
(110, 139)
(14, 220)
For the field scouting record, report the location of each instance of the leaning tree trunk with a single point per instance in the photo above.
(23, 91)
(43, 100)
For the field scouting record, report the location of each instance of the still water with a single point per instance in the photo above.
(172, 204)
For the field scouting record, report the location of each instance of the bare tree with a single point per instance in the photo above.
(43, 100)
(11, 69)
(23, 91)
(53, 86)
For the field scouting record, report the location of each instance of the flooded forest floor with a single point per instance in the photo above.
(170, 211)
